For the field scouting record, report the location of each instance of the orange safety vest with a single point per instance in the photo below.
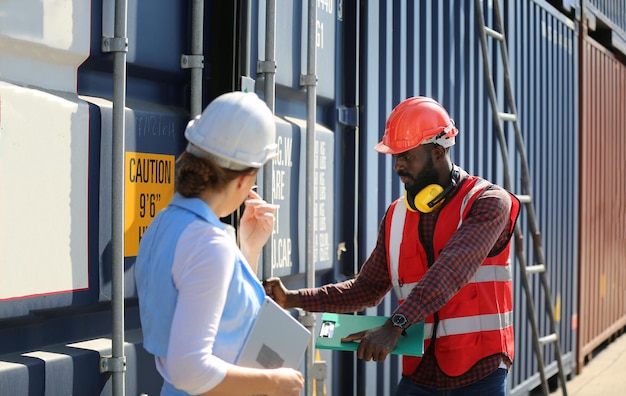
(478, 321)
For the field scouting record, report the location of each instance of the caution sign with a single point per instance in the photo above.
(149, 184)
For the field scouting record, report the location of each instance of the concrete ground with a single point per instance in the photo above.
(604, 375)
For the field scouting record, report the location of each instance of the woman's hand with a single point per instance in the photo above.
(256, 226)
(249, 381)
(287, 382)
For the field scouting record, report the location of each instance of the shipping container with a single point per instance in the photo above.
(332, 188)
(56, 160)
(57, 96)
(602, 299)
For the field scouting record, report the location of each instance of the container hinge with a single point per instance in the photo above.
(191, 61)
(318, 372)
(114, 44)
(110, 364)
(306, 318)
(307, 80)
(348, 115)
(266, 66)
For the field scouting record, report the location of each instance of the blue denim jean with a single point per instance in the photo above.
(492, 385)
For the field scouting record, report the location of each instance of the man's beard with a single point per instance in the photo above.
(426, 177)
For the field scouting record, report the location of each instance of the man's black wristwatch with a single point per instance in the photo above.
(400, 321)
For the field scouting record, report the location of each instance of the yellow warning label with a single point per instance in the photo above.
(149, 184)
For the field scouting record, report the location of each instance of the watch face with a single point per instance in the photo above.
(398, 320)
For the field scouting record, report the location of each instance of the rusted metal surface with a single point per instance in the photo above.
(602, 266)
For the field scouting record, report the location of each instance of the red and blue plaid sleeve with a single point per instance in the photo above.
(367, 290)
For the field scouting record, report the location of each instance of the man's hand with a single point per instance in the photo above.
(275, 289)
(376, 343)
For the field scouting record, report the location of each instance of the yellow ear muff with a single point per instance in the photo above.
(410, 205)
(429, 198)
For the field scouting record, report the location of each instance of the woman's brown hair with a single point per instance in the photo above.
(195, 174)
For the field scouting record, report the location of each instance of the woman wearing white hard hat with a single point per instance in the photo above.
(198, 292)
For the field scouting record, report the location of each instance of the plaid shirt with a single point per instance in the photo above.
(483, 231)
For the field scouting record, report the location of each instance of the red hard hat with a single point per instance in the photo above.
(416, 121)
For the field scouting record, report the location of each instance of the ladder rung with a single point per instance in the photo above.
(494, 34)
(524, 198)
(507, 117)
(550, 338)
(535, 269)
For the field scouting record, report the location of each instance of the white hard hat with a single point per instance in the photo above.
(236, 131)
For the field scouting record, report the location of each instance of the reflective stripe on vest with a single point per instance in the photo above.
(397, 227)
(480, 185)
(470, 324)
(486, 273)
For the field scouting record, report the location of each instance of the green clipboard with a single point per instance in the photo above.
(336, 326)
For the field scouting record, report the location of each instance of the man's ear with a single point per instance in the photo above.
(438, 152)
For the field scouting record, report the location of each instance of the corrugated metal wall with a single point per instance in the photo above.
(607, 20)
(432, 48)
(602, 198)
(612, 12)
(543, 48)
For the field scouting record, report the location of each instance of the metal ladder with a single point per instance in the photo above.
(499, 118)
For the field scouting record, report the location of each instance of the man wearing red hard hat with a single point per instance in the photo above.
(444, 249)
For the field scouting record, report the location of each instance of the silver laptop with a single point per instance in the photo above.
(277, 339)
